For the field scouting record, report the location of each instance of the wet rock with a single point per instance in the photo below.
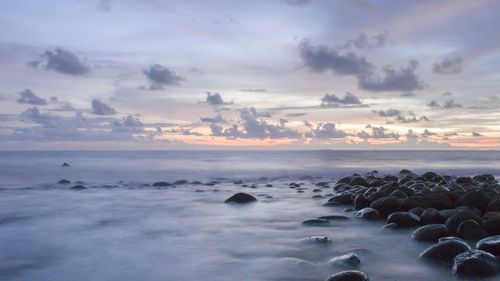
(318, 196)
(349, 275)
(241, 198)
(431, 216)
(448, 238)
(316, 222)
(471, 230)
(415, 201)
(180, 182)
(475, 263)
(417, 211)
(456, 219)
(317, 239)
(64, 181)
(323, 184)
(491, 222)
(439, 200)
(238, 182)
(464, 180)
(386, 205)
(476, 199)
(78, 187)
(65, 164)
(161, 184)
(430, 232)
(490, 244)
(404, 219)
(333, 217)
(391, 225)
(368, 214)
(444, 252)
(359, 181)
(268, 185)
(399, 194)
(317, 190)
(343, 198)
(361, 202)
(350, 260)
(494, 205)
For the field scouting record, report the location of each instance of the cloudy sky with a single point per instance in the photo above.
(279, 74)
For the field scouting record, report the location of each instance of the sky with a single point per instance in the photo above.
(273, 74)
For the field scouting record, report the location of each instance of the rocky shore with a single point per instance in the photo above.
(459, 215)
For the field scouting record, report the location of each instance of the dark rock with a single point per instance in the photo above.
(399, 194)
(268, 185)
(322, 184)
(238, 182)
(241, 198)
(415, 201)
(350, 260)
(417, 211)
(490, 244)
(471, 230)
(456, 219)
(333, 217)
(64, 181)
(316, 222)
(368, 214)
(494, 205)
(431, 216)
(439, 200)
(78, 187)
(491, 222)
(386, 205)
(429, 176)
(349, 275)
(448, 238)
(161, 183)
(361, 202)
(317, 190)
(404, 219)
(391, 225)
(343, 198)
(464, 180)
(65, 164)
(359, 181)
(444, 252)
(180, 182)
(317, 239)
(475, 263)
(476, 199)
(430, 232)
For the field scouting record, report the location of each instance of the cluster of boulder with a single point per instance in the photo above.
(452, 211)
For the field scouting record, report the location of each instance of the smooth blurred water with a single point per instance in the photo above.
(122, 229)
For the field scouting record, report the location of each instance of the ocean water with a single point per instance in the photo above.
(122, 228)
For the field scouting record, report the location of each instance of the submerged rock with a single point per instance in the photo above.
(316, 222)
(333, 217)
(349, 275)
(78, 187)
(241, 198)
(64, 181)
(490, 244)
(430, 232)
(350, 260)
(475, 263)
(444, 252)
(317, 239)
(181, 182)
(65, 164)
(161, 184)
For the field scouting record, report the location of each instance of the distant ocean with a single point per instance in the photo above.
(121, 228)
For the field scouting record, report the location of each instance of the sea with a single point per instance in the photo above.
(120, 227)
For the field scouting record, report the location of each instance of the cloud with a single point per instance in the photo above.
(251, 90)
(333, 100)
(428, 133)
(216, 119)
(449, 104)
(407, 94)
(300, 114)
(448, 66)
(161, 77)
(28, 97)
(100, 108)
(62, 61)
(214, 99)
(363, 41)
(400, 117)
(326, 131)
(297, 2)
(476, 134)
(321, 58)
(403, 79)
(446, 94)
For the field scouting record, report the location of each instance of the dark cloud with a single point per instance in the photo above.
(449, 104)
(216, 119)
(476, 134)
(251, 90)
(427, 133)
(28, 97)
(326, 131)
(401, 117)
(321, 58)
(161, 77)
(62, 61)
(403, 79)
(214, 99)
(333, 100)
(363, 41)
(100, 108)
(448, 66)
(383, 133)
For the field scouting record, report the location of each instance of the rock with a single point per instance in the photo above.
(490, 244)
(415, 201)
(475, 263)
(444, 252)
(350, 260)
(361, 202)
(161, 183)
(391, 225)
(471, 230)
(322, 184)
(399, 194)
(316, 222)
(241, 198)
(491, 222)
(464, 180)
(268, 185)
(64, 181)
(368, 214)
(456, 219)
(448, 238)
(430, 232)
(317, 239)
(180, 182)
(431, 216)
(359, 181)
(386, 205)
(333, 217)
(65, 164)
(476, 199)
(78, 187)
(238, 182)
(349, 275)
(439, 200)
(494, 205)
(417, 211)
(404, 219)
(343, 198)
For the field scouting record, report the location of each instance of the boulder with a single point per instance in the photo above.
(161, 183)
(241, 198)
(476, 199)
(368, 214)
(64, 181)
(456, 219)
(361, 202)
(490, 244)
(386, 205)
(349, 275)
(494, 205)
(415, 201)
(404, 219)
(350, 260)
(316, 222)
(343, 198)
(78, 187)
(471, 230)
(333, 217)
(431, 216)
(474, 264)
(491, 222)
(444, 252)
(430, 232)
